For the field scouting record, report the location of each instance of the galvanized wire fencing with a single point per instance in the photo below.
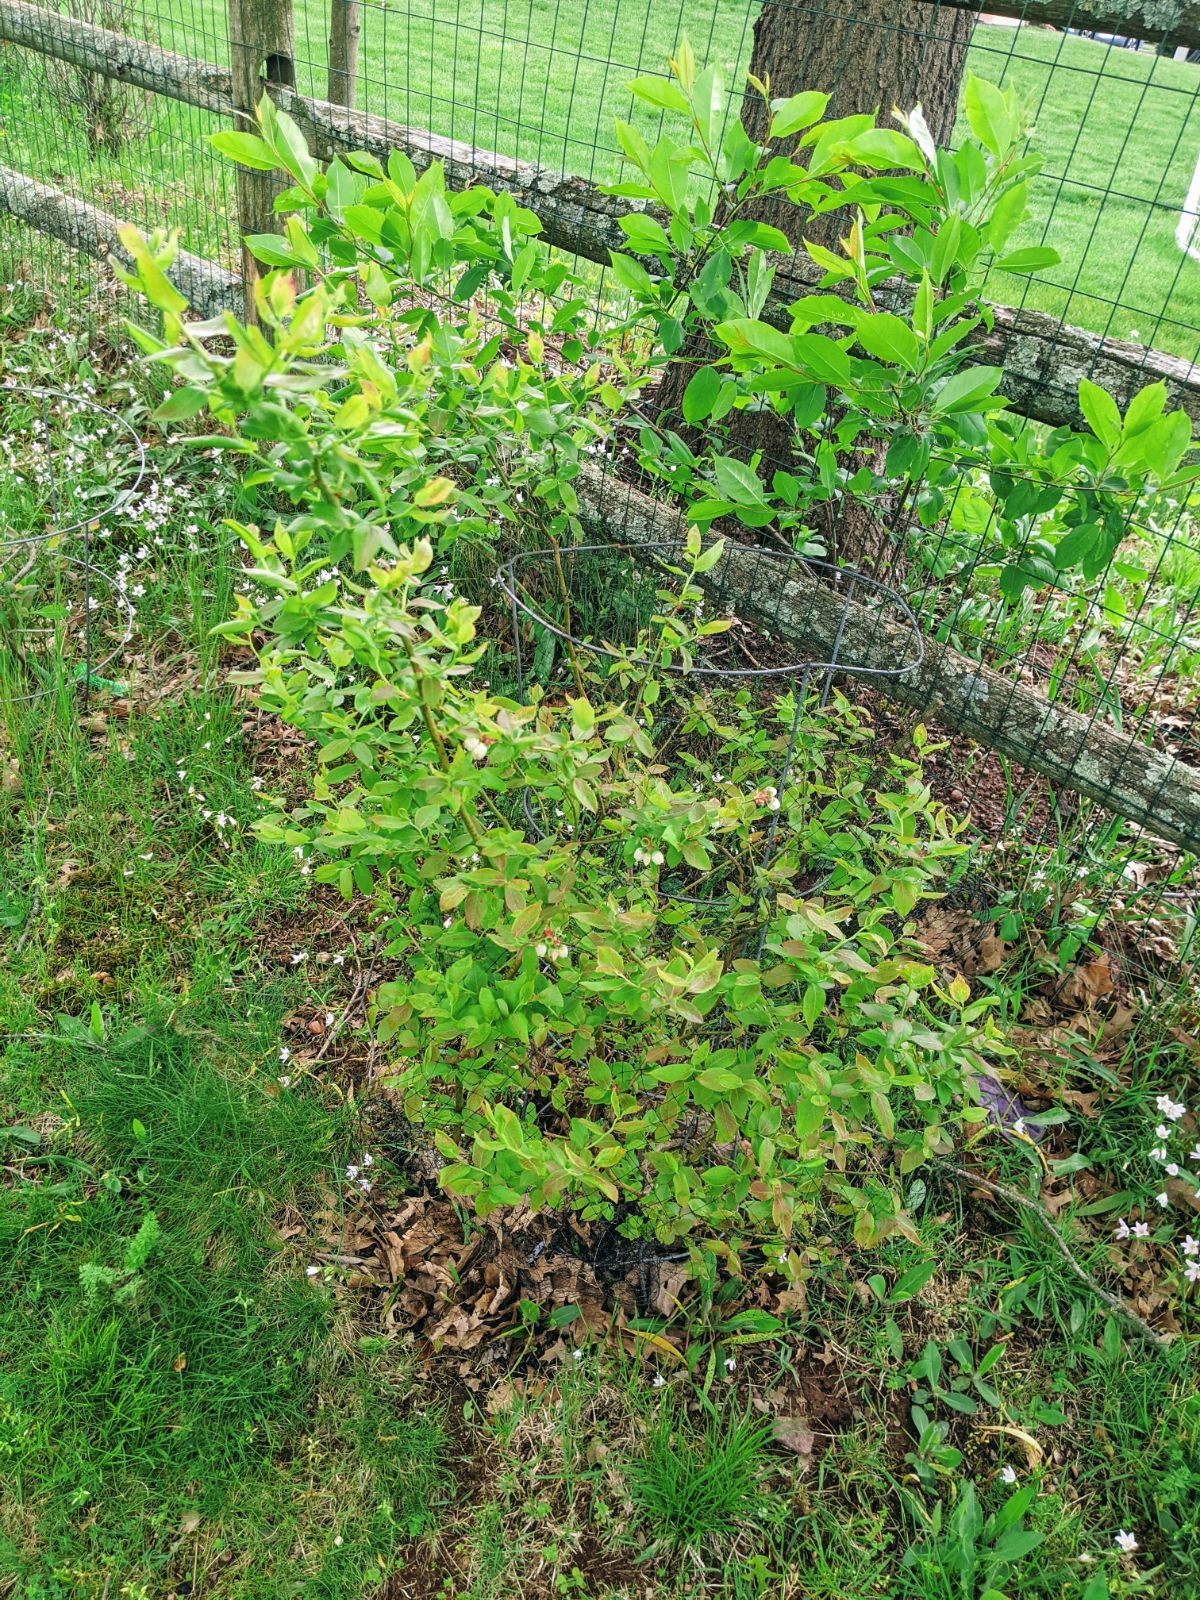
(1073, 706)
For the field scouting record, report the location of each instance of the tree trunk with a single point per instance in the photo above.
(869, 55)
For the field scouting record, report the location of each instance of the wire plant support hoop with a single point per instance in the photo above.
(53, 480)
(599, 608)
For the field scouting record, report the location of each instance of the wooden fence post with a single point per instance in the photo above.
(344, 28)
(262, 48)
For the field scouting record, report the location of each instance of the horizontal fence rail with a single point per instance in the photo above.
(1077, 751)
(1043, 359)
(1169, 22)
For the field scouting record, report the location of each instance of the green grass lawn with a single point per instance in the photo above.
(1119, 131)
(203, 1393)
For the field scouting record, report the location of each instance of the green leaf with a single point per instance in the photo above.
(1100, 410)
(720, 1079)
(247, 149)
(1075, 546)
(971, 389)
(271, 250)
(634, 146)
(744, 336)
(708, 104)
(798, 111)
(912, 1282)
(701, 394)
(632, 275)
(888, 338)
(738, 481)
(988, 115)
(644, 233)
(813, 1004)
(824, 358)
(705, 562)
(883, 148)
(1030, 260)
(1007, 215)
(181, 405)
(1145, 408)
(288, 142)
(155, 284)
(660, 92)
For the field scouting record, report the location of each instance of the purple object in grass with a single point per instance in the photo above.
(1005, 1108)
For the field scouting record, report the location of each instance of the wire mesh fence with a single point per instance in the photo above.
(1117, 127)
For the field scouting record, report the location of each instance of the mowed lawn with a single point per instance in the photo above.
(543, 80)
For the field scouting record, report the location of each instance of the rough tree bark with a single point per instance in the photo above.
(869, 55)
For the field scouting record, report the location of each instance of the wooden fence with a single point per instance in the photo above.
(1042, 359)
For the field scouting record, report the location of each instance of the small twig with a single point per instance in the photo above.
(360, 988)
(1014, 1197)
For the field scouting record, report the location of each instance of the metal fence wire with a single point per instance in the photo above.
(1116, 122)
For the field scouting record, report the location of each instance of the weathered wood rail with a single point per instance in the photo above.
(1043, 359)
(1170, 22)
(1083, 753)
(87, 228)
